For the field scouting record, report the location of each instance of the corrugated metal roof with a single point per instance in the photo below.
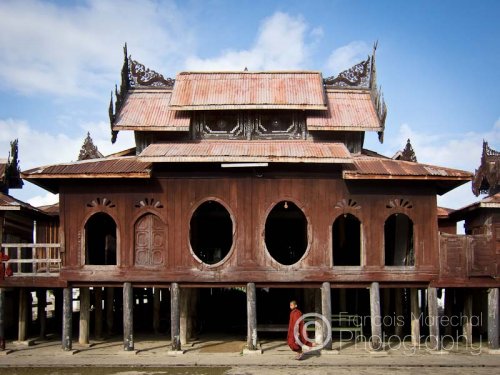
(52, 209)
(366, 166)
(241, 90)
(9, 203)
(3, 166)
(443, 212)
(103, 168)
(248, 151)
(149, 110)
(347, 110)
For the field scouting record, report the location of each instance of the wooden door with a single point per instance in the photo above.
(150, 241)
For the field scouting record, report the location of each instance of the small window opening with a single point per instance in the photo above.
(398, 232)
(346, 238)
(100, 232)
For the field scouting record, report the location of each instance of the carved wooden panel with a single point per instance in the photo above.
(453, 251)
(225, 125)
(150, 241)
(483, 262)
(274, 124)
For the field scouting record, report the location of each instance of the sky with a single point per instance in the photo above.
(437, 63)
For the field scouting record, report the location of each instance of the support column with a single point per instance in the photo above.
(185, 296)
(493, 318)
(415, 317)
(326, 310)
(398, 310)
(448, 309)
(467, 326)
(98, 313)
(110, 311)
(23, 315)
(128, 317)
(41, 296)
(432, 304)
(67, 335)
(156, 310)
(83, 337)
(318, 309)
(251, 317)
(376, 323)
(175, 317)
(2, 319)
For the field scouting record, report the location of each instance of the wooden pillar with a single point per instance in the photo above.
(185, 295)
(376, 322)
(2, 319)
(98, 313)
(128, 317)
(83, 337)
(399, 300)
(251, 317)
(448, 309)
(156, 310)
(343, 300)
(175, 317)
(110, 311)
(415, 317)
(326, 310)
(432, 305)
(467, 326)
(67, 334)
(318, 309)
(493, 318)
(41, 296)
(23, 315)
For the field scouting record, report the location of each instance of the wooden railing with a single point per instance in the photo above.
(33, 259)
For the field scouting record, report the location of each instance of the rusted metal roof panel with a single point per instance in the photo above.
(3, 166)
(9, 203)
(248, 151)
(350, 110)
(366, 167)
(148, 110)
(242, 90)
(94, 168)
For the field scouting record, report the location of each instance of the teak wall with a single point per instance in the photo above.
(249, 200)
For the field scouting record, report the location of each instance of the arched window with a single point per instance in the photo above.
(100, 240)
(346, 241)
(286, 233)
(150, 241)
(211, 232)
(398, 233)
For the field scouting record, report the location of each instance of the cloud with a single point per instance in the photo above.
(44, 200)
(283, 42)
(347, 56)
(76, 49)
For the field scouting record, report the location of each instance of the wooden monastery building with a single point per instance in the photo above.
(246, 190)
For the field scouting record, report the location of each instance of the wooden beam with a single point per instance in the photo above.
(376, 322)
(41, 296)
(128, 317)
(326, 310)
(467, 326)
(83, 337)
(2, 318)
(98, 313)
(251, 317)
(415, 317)
(175, 317)
(493, 318)
(432, 305)
(23, 315)
(67, 335)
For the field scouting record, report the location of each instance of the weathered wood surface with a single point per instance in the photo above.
(98, 313)
(251, 317)
(22, 330)
(376, 319)
(67, 332)
(326, 311)
(175, 324)
(84, 331)
(2, 319)
(415, 317)
(128, 317)
(432, 305)
(493, 318)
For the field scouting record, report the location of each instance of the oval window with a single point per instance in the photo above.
(211, 232)
(286, 233)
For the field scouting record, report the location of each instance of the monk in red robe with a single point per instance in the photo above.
(295, 315)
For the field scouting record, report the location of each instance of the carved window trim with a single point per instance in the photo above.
(399, 204)
(148, 203)
(82, 242)
(362, 254)
(100, 202)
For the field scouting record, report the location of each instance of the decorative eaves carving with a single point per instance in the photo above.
(89, 150)
(134, 75)
(487, 176)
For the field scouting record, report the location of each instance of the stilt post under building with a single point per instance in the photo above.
(175, 317)
(23, 315)
(493, 318)
(83, 336)
(67, 335)
(128, 317)
(251, 317)
(98, 313)
(41, 296)
(415, 317)
(110, 313)
(376, 322)
(467, 326)
(432, 305)
(2, 319)
(156, 310)
(326, 311)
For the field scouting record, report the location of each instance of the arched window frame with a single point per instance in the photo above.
(362, 255)
(83, 241)
(409, 215)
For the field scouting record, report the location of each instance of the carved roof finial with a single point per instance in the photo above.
(89, 150)
(408, 154)
(487, 176)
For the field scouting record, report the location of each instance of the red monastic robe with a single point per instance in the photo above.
(295, 314)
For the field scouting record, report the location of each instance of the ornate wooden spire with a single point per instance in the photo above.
(408, 154)
(11, 178)
(487, 176)
(89, 150)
